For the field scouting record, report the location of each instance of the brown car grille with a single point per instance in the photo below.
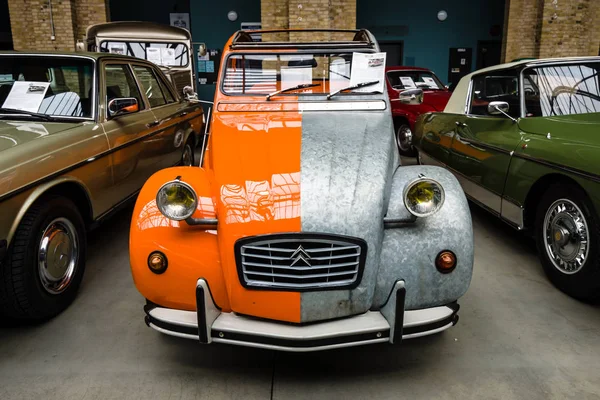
(300, 261)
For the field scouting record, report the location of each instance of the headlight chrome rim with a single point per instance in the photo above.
(412, 184)
(185, 185)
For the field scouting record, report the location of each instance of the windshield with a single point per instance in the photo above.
(56, 86)
(163, 54)
(257, 74)
(562, 90)
(401, 80)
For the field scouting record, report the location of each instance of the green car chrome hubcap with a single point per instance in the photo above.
(566, 236)
(57, 255)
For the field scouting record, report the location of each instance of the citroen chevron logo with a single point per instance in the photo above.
(300, 255)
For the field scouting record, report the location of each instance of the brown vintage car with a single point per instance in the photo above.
(80, 133)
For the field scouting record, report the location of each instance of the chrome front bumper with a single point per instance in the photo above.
(208, 324)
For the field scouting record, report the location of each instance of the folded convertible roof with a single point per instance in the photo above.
(344, 38)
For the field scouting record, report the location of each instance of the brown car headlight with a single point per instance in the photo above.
(423, 197)
(176, 200)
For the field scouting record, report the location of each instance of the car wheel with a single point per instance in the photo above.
(404, 138)
(568, 240)
(187, 159)
(45, 262)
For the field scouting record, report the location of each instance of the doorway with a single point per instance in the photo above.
(395, 52)
(489, 53)
(459, 64)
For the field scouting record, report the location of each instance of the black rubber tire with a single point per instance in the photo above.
(585, 284)
(406, 153)
(190, 144)
(22, 295)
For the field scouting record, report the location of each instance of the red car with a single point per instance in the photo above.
(435, 97)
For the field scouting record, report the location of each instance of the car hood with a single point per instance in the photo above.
(17, 133)
(279, 170)
(436, 98)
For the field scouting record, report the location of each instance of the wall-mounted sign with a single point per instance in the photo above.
(253, 26)
(180, 20)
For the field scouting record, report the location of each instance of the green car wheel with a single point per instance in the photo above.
(568, 240)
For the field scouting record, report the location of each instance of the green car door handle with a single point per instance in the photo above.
(461, 124)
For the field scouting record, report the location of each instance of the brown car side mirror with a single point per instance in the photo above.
(120, 106)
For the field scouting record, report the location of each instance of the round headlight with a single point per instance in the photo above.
(423, 197)
(176, 200)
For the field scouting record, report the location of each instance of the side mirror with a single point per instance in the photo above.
(119, 106)
(497, 107)
(411, 96)
(189, 94)
(202, 49)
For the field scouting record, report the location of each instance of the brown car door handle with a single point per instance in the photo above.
(183, 114)
(152, 124)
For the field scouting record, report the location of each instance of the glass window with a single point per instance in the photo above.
(496, 86)
(561, 90)
(150, 85)
(168, 95)
(164, 54)
(120, 83)
(263, 74)
(425, 80)
(58, 86)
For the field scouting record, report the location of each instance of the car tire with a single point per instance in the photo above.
(404, 137)
(187, 158)
(35, 285)
(567, 235)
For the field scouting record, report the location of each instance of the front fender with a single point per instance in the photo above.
(192, 253)
(408, 252)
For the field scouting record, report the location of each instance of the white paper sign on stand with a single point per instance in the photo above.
(26, 95)
(430, 82)
(367, 68)
(408, 82)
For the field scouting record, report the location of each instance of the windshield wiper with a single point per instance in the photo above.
(4, 111)
(301, 86)
(352, 87)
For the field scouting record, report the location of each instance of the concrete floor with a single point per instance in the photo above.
(517, 337)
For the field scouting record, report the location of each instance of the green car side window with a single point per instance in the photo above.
(496, 86)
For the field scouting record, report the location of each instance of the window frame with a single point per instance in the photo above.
(152, 69)
(168, 42)
(469, 100)
(103, 86)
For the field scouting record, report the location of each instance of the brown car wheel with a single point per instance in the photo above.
(567, 235)
(187, 158)
(45, 262)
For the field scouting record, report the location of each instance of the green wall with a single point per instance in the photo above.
(211, 26)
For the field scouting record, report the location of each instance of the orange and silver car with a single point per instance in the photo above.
(300, 230)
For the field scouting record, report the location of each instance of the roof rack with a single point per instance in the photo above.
(362, 39)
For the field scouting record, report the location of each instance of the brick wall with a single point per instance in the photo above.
(551, 28)
(305, 14)
(31, 22)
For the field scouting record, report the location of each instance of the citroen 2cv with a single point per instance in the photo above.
(300, 230)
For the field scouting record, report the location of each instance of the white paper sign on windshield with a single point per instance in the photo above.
(117, 48)
(430, 82)
(167, 56)
(408, 82)
(153, 55)
(367, 68)
(26, 95)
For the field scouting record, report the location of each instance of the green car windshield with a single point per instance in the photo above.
(54, 86)
(562, 90)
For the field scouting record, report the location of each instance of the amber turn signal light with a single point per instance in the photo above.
(445, 262)
(157, 262)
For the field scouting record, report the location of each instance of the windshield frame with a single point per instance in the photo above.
(128, 41)
(94, 112)
(335, 51)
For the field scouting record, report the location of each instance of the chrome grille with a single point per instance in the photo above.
(300, 261)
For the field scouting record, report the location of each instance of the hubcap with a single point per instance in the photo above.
(187, 156)
(57, 255)
(566, 236)
(404, 138)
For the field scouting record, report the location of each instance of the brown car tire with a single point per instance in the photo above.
(23, 293)
(583, 281)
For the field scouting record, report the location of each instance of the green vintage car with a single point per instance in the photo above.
(80, 133)
(524, 141)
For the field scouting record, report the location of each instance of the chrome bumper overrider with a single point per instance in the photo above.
(209, 324)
